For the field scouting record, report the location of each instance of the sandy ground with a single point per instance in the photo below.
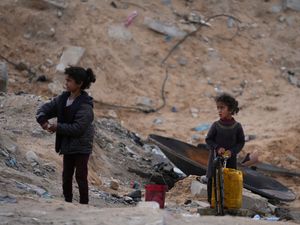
(252, 66)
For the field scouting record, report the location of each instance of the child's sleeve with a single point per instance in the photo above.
(240, 141)
(83, 118)
(47, 111)
(210, 138)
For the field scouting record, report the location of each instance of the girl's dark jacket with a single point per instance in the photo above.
(75, 132)
(229, 136)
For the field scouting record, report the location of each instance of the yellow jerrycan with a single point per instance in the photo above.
(233, 189)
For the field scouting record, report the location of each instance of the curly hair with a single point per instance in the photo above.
(229, 101)
(81, 75)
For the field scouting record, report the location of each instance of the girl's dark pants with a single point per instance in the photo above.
(80, 163)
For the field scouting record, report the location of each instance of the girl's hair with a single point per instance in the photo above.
(79, 74)
(230, 102)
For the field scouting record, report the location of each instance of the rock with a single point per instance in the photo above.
(194, 112)
(255, 203)
(70, 57)
(250, 137)
(158, 121)
(3, 77)
(281, 19)
(290, 158)
(8, 144)
(276, 9)
(162, 28)
(31, 157)
(144, 102)
(119, 32)
(198, 189)
(294, 80)
(291, 4)
(112, 114)
(182, 61)
(114, 184)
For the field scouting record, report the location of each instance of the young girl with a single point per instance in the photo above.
(74, 129)
(226, 134)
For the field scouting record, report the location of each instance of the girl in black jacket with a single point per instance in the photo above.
(74, 129)
(226, 134)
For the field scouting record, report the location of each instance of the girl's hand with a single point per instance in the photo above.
(52, 128)
(227, 154)
(45, 125)
(221, 151)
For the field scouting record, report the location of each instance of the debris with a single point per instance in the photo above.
(70, 57)
(31, 156)
(272, 218)
(250, 137)
(198, 189)
(144, 102)
(3, 77)
(130, 18)
(276, 9)
(182, 61)
(291, 158)
(256, 217)
(11, 162)
(194, 112)
(7, 199)
(158, 121)
(135, 195)
(61, 5)
(291, 4)
(174, 109)
(202, 127)
(114, 184)
(162, 28)
(33, 189)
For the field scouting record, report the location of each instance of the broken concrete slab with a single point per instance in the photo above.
(256, 203)
(70, 57)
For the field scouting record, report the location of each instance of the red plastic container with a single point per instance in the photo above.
(157, 193)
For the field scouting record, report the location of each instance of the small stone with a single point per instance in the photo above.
(112, 114)
(290, 158)
(182, 61)
(281, 19)
(31, 156)
(49, 63)
(276, 9)
(59, 14)
(157, 121)
(114, 184)
(194, 112)
(144, 102)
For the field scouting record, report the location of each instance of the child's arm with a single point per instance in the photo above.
(210, 138)
(47, 111)
(240, 141)
(83, 118)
